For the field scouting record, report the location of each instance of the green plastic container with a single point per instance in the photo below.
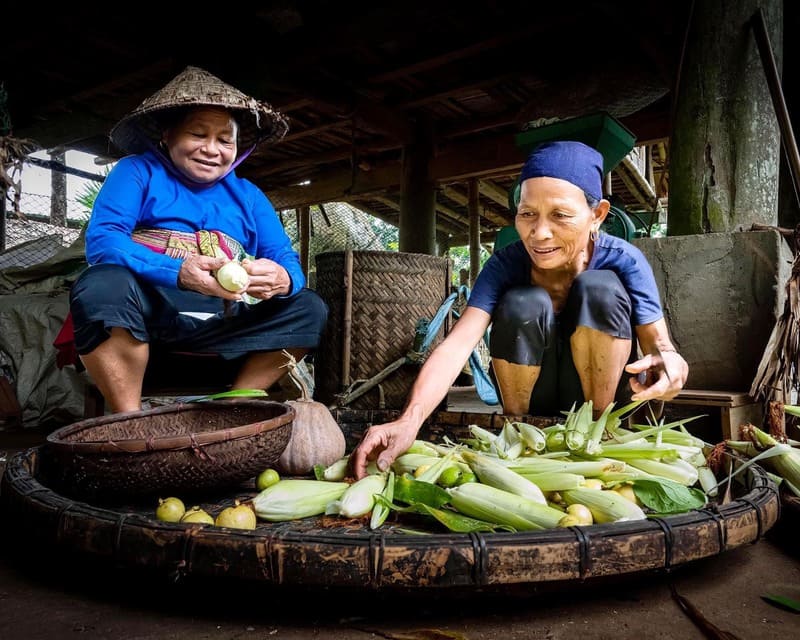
(599, 130)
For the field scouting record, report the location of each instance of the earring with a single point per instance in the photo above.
(593, 235)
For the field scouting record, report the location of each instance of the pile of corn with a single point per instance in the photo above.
(578, 472)
(779, 455)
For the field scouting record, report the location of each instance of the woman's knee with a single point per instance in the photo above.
(598, 300)
(106, 284)
(520, 305)
(600, 288)
(317, 308)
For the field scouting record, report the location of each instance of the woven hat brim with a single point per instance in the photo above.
(258, 121)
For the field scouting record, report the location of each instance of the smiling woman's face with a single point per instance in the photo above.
(555, 222)
(203, 145)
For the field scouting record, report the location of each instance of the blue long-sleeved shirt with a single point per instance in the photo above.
(140, 192)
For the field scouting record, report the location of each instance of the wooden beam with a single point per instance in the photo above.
(335, 186)
(637, 184)
(305, 236)
(457, 196)
(493, 192)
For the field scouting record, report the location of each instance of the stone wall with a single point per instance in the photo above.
(722, 293)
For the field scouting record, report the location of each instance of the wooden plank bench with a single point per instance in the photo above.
(736, 407)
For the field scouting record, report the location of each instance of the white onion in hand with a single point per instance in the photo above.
(232, 276)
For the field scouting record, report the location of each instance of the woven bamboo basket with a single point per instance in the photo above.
(167, 450)
(329, 552)
(375, 299)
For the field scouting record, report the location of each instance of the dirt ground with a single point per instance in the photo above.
(44, 597)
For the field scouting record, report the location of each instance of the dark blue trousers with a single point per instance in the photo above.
(526, 330)
(107, 296)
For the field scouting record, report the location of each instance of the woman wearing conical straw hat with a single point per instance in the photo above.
(166, 219)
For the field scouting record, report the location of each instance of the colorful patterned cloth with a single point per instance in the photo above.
(180, 244)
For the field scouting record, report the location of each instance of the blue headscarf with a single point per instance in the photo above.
(568, 160)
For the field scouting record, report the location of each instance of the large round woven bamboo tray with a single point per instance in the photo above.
(329, 552)
(167, 450)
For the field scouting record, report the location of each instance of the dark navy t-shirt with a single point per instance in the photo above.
(511, 267)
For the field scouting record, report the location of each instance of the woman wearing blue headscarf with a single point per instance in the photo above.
(567, 305)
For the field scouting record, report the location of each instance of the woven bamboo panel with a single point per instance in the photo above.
(374, 323)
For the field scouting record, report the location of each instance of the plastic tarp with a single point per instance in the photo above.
(34, 301)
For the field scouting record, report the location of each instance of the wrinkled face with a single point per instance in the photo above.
(554, 222)
(203, 145)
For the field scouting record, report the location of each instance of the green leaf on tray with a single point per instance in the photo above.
(783, 601)
(455, 522)
(233, 393)
(411, 491)
(667, 496)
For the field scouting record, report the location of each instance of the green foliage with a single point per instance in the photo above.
(87, 194)
(460, 260)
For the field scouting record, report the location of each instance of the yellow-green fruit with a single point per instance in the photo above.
(196, 514)
(627, 492)
(239, 516)
(421, 469)
(170, 510)
(232, 276)
(449, 477)
(569, 521)
(267, 478)
(466, 476)
(581, 512)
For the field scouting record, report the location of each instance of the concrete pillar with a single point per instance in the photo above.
(417, 226)
(725, 145)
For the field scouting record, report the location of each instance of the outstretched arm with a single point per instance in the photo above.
(384, 442)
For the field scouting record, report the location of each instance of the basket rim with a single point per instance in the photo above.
(191, 440)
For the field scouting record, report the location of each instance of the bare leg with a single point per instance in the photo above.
(516, 383)
(262, 370)
(117, 368)
(599, 360)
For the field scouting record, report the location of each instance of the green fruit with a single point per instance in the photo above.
(449, 477)
(170, 510)
(267, 478)
(239, 516)
(466, 476)
(196, 514)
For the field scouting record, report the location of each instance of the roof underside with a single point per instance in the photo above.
(360, 82)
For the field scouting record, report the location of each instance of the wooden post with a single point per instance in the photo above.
(58, 190)
(473, 204)
(305, 237)
(778, 100)
(607, 188)
(347, 324)
(417, 226)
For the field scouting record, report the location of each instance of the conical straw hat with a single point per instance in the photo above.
(141, 130)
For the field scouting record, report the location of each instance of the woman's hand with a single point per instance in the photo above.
(267, 278)
(382, 443)
(197, 274)
(664, 376)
